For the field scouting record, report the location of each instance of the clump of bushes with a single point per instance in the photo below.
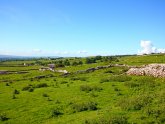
(29, 88)
(88, 88)
(16, 92)
(84, 106)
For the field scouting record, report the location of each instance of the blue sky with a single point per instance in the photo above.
(80, 27)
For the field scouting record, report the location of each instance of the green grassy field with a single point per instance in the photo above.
(105, 96)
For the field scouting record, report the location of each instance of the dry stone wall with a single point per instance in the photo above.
(156, 70)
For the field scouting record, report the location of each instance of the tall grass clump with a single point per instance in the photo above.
(119, 78)
(136, 102)
(84, 106)
(3, 117)
(88, 88)
(110, 119)
(55, 112)
(41, 85)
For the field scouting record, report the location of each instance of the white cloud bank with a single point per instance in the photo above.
(148, 48)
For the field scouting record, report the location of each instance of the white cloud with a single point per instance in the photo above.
(161, 50)
(148, 48)
(82, 52)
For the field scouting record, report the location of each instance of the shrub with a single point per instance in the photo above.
(13, 97)
(64, 82)
(26, 88)
(16, 92)
(45, 95)
(3, 117)
(56, 112)
(31, 89)
(41, 85)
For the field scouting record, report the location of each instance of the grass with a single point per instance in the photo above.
(101, 97)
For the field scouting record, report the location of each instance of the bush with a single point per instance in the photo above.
(64, 82)
(78, 107)
(3, 117)
(16, 92)
(45, 95)
(26, 88)
(31, 89)
(41, 85)
(56, 112)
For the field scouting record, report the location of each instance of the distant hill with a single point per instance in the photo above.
(12, 57)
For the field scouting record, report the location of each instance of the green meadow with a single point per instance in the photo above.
(104, 96)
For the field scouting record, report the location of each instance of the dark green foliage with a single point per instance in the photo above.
(90, 60)
(3, 117)
(45, 95)
(88, 88)
(31, 89)
(64, 82)
(56, 112)
(16, 92)
(66, 62)
(78, 78)
(7, 84)
(26, 88)
(13, 97)
(41, 85)
(108, 71)
(104, 80)
(84, 106)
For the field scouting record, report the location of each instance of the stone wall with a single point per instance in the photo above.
(156, 70)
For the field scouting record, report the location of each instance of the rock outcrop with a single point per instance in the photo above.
(156, 70)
